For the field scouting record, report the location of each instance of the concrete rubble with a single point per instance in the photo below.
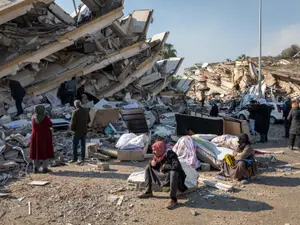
(107, 52)
(234, 78)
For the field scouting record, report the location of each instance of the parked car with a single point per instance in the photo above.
(276, 114)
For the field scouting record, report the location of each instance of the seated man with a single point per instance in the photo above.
(171, 174)
(242, 166)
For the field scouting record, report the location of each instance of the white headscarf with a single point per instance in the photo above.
(262, 101)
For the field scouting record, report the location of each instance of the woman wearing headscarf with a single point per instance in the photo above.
(294, 118)
(262, 119)
(41, 146)
(164, 169)
(242, 165)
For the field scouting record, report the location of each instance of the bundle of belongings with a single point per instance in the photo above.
(207, 148)
(132, 142)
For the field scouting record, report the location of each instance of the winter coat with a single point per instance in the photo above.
(16, 89)
(294, 117)
(286, 109)
(262, 118)
(72, 86)
(80, 120)
(214, 112)
(41, 145)
(171, 162)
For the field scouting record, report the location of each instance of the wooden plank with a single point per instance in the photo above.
(39, 183)
(221, 186)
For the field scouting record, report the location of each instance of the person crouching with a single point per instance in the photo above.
(164, 169)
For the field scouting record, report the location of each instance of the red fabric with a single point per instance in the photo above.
(159, 150)
(41, 145)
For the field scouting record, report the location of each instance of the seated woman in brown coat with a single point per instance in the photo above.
(242, 165)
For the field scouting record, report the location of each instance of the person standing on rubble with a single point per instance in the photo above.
(41, 145)
(252, 115)
(62, 92)
(164, 169)
(294, 118)
(17, 93)
(71, 90)
(286, 111)
(262, 119)
(214, 112)
(79, 122)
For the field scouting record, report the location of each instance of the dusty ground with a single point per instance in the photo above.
(79, 195)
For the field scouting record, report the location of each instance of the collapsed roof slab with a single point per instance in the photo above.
(171, 67)
(57, 79)
(62, 42)
(139, 72)
(10, 10)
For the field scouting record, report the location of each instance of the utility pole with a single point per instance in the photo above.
(260, 49)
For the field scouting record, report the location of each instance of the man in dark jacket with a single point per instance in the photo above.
(18, 93)
(79, 123)
(294, 118)
(62, 92)
(164, 169)
(286, 111)
(71, 90)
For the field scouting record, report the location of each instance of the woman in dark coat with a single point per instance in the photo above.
(294, 117)
(164, 169)
(262, 119)
(41, 146)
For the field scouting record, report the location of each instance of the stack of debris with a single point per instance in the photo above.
(42, 46)
(232, 78)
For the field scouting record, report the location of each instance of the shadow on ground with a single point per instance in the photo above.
(229, 204)
(279, 181)
(91, 174)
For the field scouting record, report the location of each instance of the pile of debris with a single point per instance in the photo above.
(234, 78)
(43, 46)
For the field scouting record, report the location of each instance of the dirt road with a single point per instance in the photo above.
(81, 195)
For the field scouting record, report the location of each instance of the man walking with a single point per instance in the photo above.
(79, 123)
(17, 93)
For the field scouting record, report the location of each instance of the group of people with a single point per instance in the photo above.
(259, 118)
(41, 143)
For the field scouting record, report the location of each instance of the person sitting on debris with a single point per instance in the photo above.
(164, 169)
(214, 112)
(79, 123)
(62, 92)
(41, 145)
(294, 118)
(242, 165)
(71, 90)
(17, 93)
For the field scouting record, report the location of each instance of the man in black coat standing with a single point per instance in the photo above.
(18, 93)
(286, 111)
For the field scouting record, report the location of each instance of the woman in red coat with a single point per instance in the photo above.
(41, 146)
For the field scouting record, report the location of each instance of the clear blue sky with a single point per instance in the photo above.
(213, 30)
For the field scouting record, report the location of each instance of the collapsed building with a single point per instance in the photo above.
(235, 78)
(43, 46)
